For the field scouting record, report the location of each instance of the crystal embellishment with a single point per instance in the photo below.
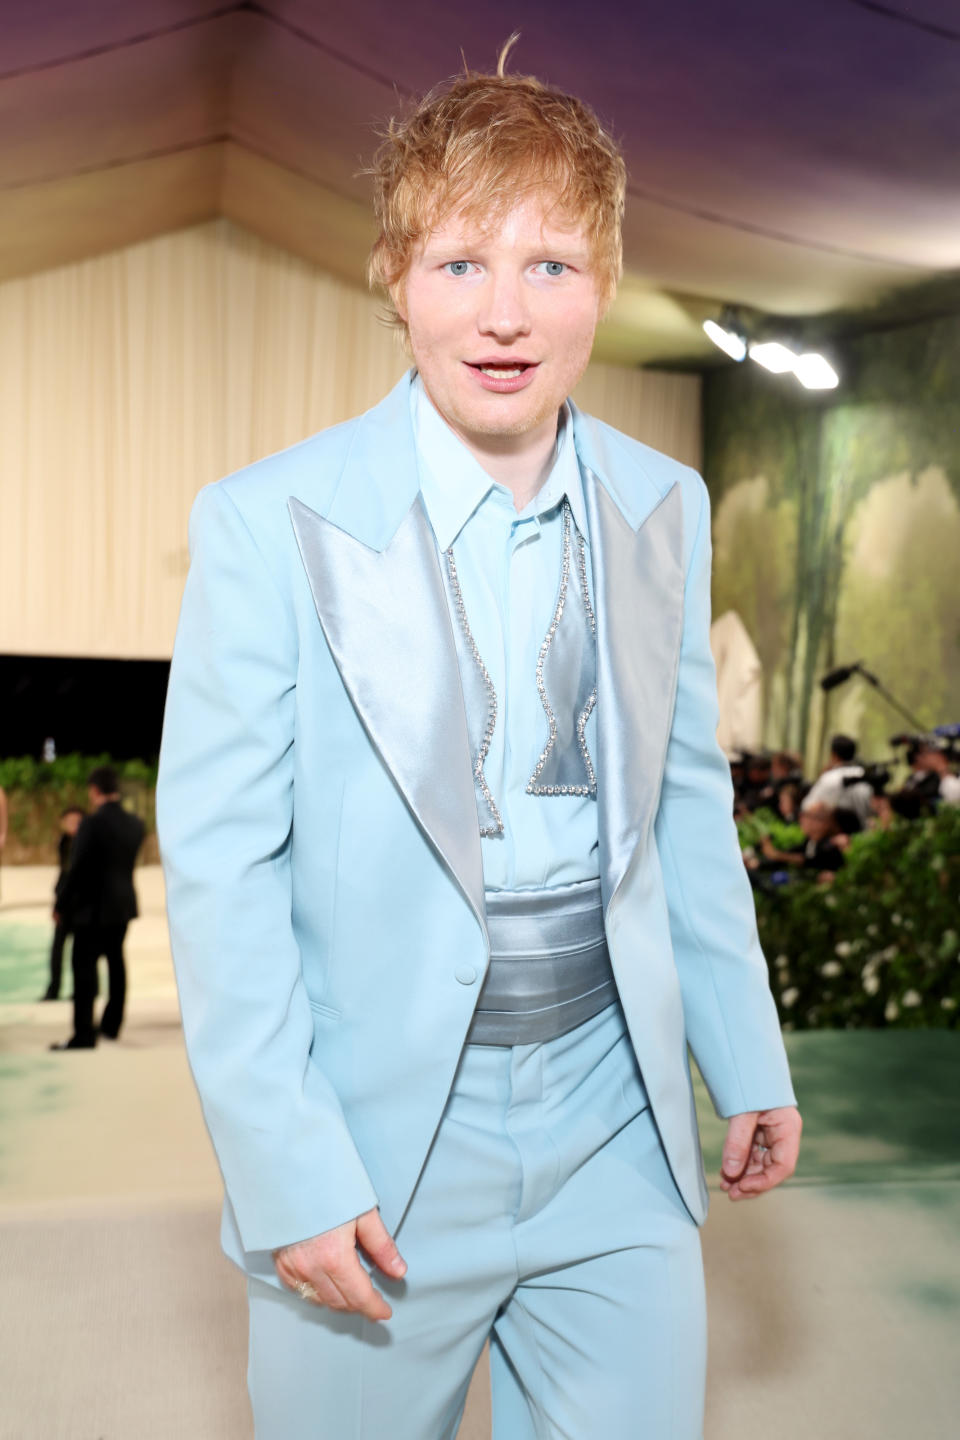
(547, 757)
(565, 766)
(494, 821)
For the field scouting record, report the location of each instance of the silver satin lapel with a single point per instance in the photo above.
(638, 597)
(569, 676)
(384, 614)
(480, 698)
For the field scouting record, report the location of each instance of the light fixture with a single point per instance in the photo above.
(777, 358)
(730, 341)
(815, 372)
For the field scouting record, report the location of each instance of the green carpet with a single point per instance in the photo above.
(24, 961)
(877, 1105)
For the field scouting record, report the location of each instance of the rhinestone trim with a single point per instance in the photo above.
(497, 827)
(533, 788)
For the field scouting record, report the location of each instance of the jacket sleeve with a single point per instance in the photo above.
(731, 1020)
(224, 819)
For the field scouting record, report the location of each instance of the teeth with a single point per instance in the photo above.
(502, 374)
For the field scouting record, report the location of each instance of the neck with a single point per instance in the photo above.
(520, 462)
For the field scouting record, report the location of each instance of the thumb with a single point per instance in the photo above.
(377, 1241)
(737, 1146)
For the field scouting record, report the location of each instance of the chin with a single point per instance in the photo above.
(499, 418)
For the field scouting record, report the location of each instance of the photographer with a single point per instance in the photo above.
(931, 774)
(842, 786)
(822, 851)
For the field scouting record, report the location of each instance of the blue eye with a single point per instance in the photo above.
(554, 267)
(457, 267)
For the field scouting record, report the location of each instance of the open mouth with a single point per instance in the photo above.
(502, 369)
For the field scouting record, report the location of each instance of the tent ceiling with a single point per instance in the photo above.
(794, 158)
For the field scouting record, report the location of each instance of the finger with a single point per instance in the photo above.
(773, 1173)
(738, 1144)
(358, 1291)
(377, 1242)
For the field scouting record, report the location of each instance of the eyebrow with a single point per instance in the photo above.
(460, 248)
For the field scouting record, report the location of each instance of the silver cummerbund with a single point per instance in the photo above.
(549, 965)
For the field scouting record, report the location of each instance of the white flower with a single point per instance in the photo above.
(871, 983)
(830, 901)
(831, 968)
(891, 953)
(912, 999)
(789, 997)
(843, 949)
(948, 1003)
(891, 1011)
(896, 919)
(872, 929)
(782, 961)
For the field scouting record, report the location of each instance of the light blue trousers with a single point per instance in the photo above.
(545, 1220)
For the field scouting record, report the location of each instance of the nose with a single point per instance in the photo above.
(503, 313)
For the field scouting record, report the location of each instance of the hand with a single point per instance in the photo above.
(56, 917)
(760, 1151)
(329, 1264)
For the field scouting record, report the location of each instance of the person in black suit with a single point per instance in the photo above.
(97, 901)
(69, 825)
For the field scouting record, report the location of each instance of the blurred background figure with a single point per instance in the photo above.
(842, 786)
(3, 823)
(821, 851)
(97, 901)
(931, 775)
(69, 825)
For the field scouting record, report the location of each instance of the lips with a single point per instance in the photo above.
(503, 374)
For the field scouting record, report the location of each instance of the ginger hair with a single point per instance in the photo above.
(477, 145)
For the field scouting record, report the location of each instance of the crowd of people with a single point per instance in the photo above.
(847, 797)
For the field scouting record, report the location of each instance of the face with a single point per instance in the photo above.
(70, 823)
(817, 822)
(501, 325)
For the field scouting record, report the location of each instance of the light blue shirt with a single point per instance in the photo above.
(508, 565)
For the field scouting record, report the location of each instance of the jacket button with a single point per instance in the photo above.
(465, 974)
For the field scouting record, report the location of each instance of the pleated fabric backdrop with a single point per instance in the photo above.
(129, 381)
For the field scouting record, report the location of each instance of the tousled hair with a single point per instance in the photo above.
(479, 144)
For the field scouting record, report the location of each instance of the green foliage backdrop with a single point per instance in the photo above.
(836, 531)
(37, 793)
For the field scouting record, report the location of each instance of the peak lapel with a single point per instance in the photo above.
(638, 584)
(384, 614)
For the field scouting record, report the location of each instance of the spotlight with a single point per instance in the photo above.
(774, 357)
(730, 341)
(815, 373)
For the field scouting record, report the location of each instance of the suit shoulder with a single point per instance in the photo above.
(617, 452)
(259, 492)
(309, 469)
(634, 467)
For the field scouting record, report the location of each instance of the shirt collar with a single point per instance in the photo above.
(454, 483)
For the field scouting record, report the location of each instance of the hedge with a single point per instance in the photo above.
(878, 946)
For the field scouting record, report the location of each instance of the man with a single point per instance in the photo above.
(822, 850)
(840, 786)
(69, 825)
(931, 773)
(97, 901)
(451, 868)
(4, 811)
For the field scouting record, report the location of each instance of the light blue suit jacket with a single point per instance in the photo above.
(319, 830)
